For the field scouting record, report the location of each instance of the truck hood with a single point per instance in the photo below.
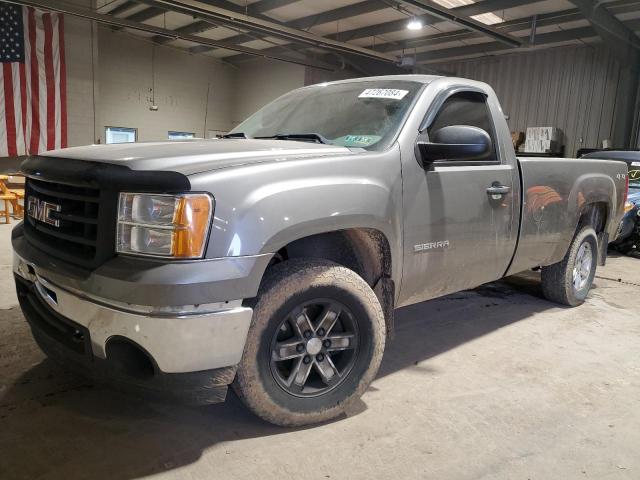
(195, 156)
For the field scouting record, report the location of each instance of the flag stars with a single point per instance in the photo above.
(11, 33)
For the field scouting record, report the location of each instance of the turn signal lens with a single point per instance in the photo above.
(192, 217)
(168, 226)
(628, 206)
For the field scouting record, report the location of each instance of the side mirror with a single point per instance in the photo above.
(456, 142)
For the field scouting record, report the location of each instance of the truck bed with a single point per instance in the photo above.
(554, 192)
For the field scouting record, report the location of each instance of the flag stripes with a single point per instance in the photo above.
(33, 104)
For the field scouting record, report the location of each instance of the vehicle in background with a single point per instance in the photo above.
(628, 239)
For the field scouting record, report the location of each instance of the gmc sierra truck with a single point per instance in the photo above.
(272, 260)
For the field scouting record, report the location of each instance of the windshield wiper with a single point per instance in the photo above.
(234, 135)
(300, 137)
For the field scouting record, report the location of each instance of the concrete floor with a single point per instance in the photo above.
(495, 383)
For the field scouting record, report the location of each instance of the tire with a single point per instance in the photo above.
(267, 381)
(559, 282)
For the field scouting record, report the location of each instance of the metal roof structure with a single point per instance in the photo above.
(367, 34)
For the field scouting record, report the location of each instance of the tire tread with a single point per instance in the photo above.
(280, 282)
(557, 283)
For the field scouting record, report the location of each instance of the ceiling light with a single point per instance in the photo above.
(414, 24)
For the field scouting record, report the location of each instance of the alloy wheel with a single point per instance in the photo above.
(582, 267)
(314, 348)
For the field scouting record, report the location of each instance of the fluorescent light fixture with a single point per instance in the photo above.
(414, 24)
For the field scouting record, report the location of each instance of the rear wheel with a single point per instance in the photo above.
(568, 282)
(315, 343)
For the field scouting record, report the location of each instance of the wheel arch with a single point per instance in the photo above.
(366, 251)
(596, 214)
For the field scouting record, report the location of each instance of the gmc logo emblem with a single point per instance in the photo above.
(41, 210)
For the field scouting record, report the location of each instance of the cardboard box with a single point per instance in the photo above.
(517, 138)
(543, 140)
(541, 146)
(544, 133)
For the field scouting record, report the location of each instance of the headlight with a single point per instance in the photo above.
(169, 226)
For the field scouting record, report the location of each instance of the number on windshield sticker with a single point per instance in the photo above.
(391, 93)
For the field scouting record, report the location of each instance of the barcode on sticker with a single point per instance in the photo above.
(383, 93)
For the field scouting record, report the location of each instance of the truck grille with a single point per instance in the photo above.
(75, 205)
(84, 234)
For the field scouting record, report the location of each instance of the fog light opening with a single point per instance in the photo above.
(129, 358)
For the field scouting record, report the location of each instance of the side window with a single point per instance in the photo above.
(466, 108)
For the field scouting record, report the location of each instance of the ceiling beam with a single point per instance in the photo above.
(123, 7)
(198, 25)
(484, 6)
(191, 29)
(266, 5)
(478, 8)
(336, 14)
(146, 14)
(467, 22)
(491, 47)
(229, 18)
(624, 43)
(69, 9)
(517, 24)
(255, 9)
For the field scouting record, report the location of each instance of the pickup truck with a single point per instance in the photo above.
(272, 260)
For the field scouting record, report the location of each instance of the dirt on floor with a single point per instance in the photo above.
(494, 383)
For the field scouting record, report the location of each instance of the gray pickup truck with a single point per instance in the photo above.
(272, 260)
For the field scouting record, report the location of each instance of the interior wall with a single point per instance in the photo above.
(80, 57)
(573, 88)
(260, 81)
(316, 75)
(189, 90)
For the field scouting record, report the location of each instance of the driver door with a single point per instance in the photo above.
(458, 234)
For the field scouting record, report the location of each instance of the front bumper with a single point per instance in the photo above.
(192, 350)
(70, 344)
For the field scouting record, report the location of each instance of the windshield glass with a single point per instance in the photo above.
(364, 114)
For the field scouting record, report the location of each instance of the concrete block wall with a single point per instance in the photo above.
(81, 55)
(260, 81)
(193, 93)
(113, 77)
(111, 82)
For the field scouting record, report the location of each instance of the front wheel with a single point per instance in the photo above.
(568, 282)
(315, 343)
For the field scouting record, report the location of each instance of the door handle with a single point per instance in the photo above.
(498, 190)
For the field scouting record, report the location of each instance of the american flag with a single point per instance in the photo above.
(33, 100)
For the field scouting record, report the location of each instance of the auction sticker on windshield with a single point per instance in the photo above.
(391, 93)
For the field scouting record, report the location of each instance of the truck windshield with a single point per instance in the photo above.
(365, 114)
